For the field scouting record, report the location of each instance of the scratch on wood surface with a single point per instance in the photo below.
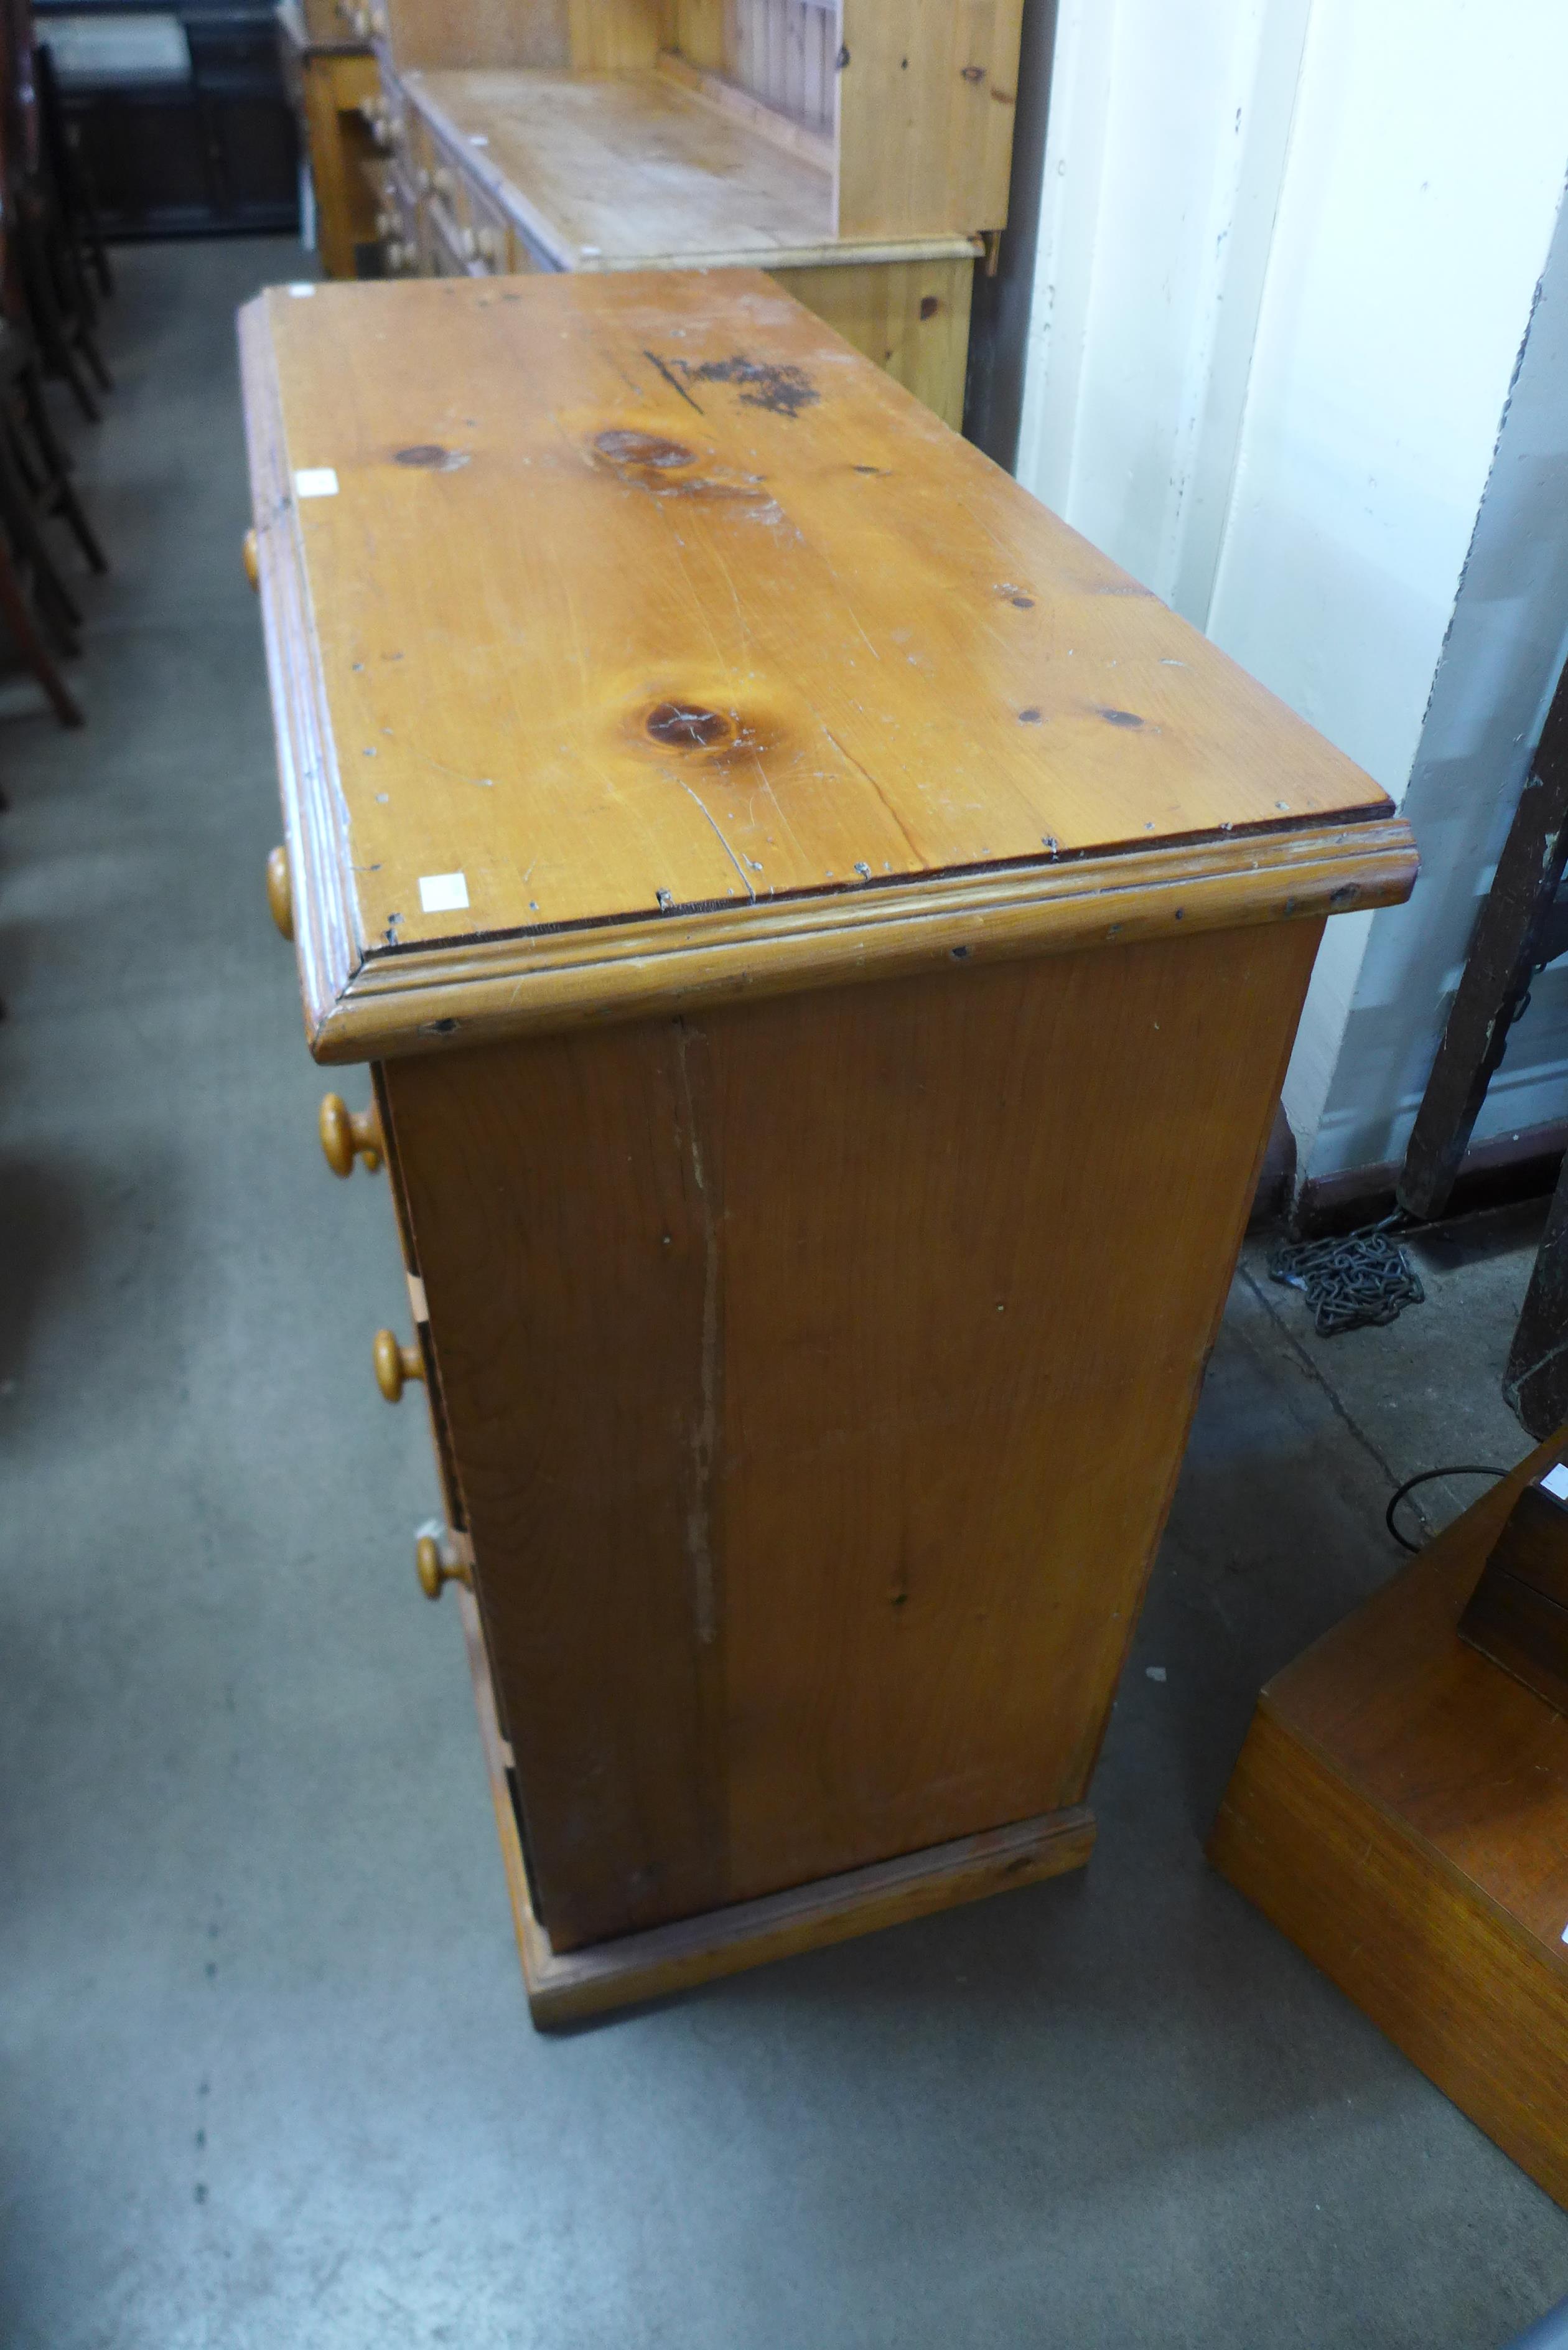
(866, 774)
(745, 882)
(672, 380)
(700, 1516)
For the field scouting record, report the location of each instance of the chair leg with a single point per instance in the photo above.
(56, 606)
(19, 621)
(50, 326)
(65, 502)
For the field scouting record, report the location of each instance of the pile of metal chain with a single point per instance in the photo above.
(1352, 1280)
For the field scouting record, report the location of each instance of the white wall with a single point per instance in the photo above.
(1288, 256)
(1506, 643)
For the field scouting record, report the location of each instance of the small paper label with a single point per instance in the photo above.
(1555, 1483)
(417, 1306)
(442, 893)
(302, 293)
(316, 481)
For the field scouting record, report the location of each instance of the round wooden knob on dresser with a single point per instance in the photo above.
(349, 1134)
(432, 1570)
(395, 1365)
(280, 891)
(250, 559)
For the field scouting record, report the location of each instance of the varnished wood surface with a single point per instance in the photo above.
(1518, 1613)
(789, 1357)
(926, 106)
(910, 317)
(634, 170)
(716, 620)
(330, 82)
(568, 1987)
(526, 35)
(1400, 1810)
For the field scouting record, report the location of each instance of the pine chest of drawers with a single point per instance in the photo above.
(827, 945)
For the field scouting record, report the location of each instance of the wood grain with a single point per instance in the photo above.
(494, 33)
(567, 1987)
(902, 666)
(812, 144)
(331, 84)
(1400, 1810)
(636, 171)
(613, 35)
(1518, 1613)
(788, 1359)
(910, 318)
(926, 105)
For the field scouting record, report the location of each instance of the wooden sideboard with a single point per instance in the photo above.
(857, 152)
(332, 82)
(827, 944)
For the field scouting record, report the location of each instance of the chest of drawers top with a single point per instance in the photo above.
(633, 639)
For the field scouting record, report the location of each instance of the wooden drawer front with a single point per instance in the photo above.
(418, 150)
(398, 226)
(452, 246)
(495, 243)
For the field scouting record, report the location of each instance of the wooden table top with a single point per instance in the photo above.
(640, 598)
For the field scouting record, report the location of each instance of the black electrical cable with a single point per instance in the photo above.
(1424, 1478)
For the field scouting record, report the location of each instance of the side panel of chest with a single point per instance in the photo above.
(817, 1372)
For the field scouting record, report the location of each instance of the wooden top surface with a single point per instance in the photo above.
(1473, 1761)
(640, 596)
(632, 171)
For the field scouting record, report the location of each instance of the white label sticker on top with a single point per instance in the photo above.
(1555, 1482)
(316, 481)
(442, 893)
(301, 292)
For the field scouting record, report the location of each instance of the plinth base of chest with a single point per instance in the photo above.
(567, 1987)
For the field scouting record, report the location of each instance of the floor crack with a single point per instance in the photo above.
(1339, 1410)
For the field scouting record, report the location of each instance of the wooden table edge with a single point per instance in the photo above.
(424, 999)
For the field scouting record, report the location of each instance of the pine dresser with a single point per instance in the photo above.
(827, 945)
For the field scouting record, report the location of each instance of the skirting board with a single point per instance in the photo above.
(565, 1987)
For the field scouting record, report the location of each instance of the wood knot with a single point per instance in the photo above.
(643, 449)
(687, 725)
(432, 456)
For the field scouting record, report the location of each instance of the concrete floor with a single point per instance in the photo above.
(268, 2075)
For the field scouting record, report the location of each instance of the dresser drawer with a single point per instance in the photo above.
(495, 248)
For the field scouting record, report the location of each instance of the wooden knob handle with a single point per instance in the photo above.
(395, 1365)
(349, 1134)
(433, 1571)
(250, 559)
(280, 891)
